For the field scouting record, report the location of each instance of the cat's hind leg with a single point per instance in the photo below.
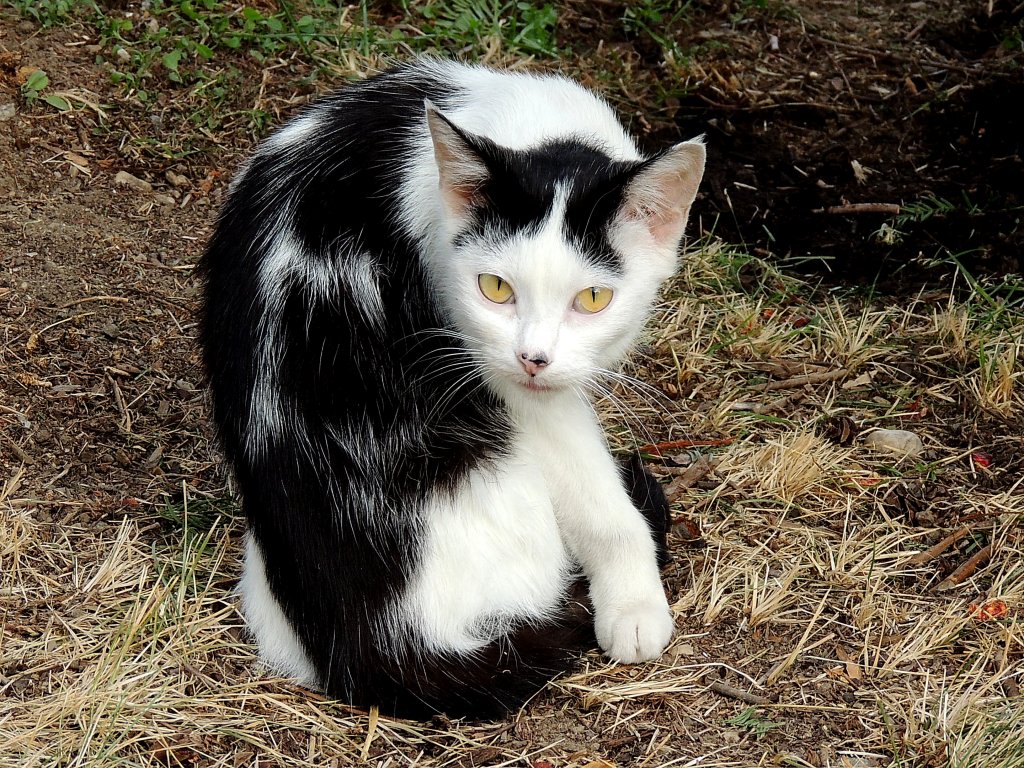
(280, 647)
(490, 608)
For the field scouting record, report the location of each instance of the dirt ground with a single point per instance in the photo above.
(810, 109)
(822, 104)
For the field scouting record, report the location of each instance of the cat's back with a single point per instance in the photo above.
(522, 110)
(380, 122)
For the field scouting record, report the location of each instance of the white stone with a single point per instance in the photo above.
(895, 441)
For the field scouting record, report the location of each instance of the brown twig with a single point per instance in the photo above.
(965, 571)
(932, 552)
(724, 689)
(126, 417)
(807, 378)
(87, 299)
(787, 367)
(916, 30)
(19, 452)
(771, 406)
(890, 209)
(657, 448)
(693, 473)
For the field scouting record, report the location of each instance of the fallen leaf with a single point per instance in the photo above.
(982, 460)
(22, 74)
(863, 380)
(989, 610)
(77, 159)
(31, 380)
(57, 102)
(868, 481)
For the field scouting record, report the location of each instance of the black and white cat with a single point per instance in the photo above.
(410, 292)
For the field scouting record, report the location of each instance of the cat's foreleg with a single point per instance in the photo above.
(605, 532)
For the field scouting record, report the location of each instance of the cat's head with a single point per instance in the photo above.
(555, 255)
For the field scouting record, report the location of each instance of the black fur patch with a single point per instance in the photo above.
(648, 496)
(520, 192)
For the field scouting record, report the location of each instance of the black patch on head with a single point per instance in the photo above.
(520, 191)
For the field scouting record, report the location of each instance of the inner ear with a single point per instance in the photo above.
(462, 172)
(661, 192)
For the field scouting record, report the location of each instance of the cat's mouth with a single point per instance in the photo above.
(535, 386)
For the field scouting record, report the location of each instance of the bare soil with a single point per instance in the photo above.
(812, 106)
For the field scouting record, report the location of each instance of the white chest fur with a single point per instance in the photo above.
(493, 556)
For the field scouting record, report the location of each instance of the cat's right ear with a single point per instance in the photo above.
(461, 171)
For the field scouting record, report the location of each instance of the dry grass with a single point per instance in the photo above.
(805, 597)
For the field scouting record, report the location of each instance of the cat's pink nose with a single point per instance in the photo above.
(532, 363)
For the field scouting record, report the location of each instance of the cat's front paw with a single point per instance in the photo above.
(635, 632)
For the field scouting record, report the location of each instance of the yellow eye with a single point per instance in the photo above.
(591, 300)
(495, 289)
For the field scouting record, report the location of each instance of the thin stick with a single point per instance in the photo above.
(724, 689)
(657, 448)
(965, 571)
(693, 473)
(371, 731)
(891, 209)
(87, 299)
(807, 378)
(932, 552)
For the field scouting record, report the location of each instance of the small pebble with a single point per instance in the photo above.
(176, 179)
(125, 179)
(895, 441)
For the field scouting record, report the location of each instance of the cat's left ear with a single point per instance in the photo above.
(660, 194)
(461, 170)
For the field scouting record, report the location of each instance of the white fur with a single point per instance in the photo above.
(600, 525)
(292, 135)
(266, 411)
(492, 556)
(546, 273)
(280, 648)
(502, 548)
